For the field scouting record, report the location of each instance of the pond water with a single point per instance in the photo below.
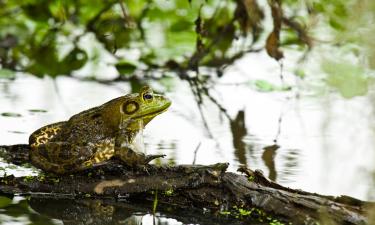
(316, 142)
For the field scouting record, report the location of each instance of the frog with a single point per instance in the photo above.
(93, 137)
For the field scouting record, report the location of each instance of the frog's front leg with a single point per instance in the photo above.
(126, 151)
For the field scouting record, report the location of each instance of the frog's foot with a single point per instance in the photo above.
(145, 167)
(149, 158)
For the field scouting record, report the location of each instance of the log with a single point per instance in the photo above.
(198, 188)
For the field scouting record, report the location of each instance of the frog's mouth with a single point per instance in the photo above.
(153, 113)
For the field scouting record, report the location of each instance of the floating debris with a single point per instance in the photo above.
(16, 132)
(11, 114)
(37, 110)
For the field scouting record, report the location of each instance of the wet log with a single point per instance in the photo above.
(208, 188)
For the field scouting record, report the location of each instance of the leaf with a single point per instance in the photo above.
(8, 74)
(300, 73)
(264, 86)
(181, 25)
(273, 39)
(249, 16)
(37, 11)
(73, 61)
(57, 10)
(45, 61)
(272, 46)
(349, 79)
(4, 201)
(126, 67)
(336, 24)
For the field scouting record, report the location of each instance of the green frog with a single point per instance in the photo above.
(92, 137)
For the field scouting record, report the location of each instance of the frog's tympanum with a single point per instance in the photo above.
(92, 137)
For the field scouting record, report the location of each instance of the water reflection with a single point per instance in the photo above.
(46, 211)
(268, 157)
(291, 165)
(17, 211)
(238, 128)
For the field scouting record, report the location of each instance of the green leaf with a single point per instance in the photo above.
(264, 86)
(37, 11)
(126, 67)
(8, 74)
(4, 201)
(73, 61)
(336, 24)
(349, 79)
(300, 73)
(182, 25)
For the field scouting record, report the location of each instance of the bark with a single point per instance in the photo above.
(204, 188)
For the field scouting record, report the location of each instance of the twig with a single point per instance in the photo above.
(196, 151)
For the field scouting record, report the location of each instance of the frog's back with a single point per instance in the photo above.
(83, 130)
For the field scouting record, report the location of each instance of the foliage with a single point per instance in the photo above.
(6, 73)
(4, 201)
(127, 38)
(54, 37)
(349, 79)
(351, 28)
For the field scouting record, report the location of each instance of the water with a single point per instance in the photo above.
(322, 144)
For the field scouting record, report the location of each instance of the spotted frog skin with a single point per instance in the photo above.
(92, 137)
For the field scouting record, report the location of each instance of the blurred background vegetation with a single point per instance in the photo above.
(138, 38)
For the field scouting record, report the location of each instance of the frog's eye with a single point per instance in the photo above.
(147, 96)
(130, 107)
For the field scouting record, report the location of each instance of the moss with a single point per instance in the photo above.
(239, 212)
(55, 180)
(225, 213)
(28, 178)
(276, 222)
(41, 177)
(244, 212)
(169, 192)
(4, 181)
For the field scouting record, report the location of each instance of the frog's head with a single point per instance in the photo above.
(140, 108)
